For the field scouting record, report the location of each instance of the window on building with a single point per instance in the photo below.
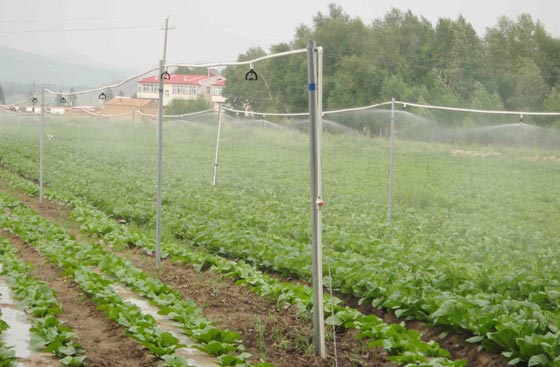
(185, 89)
(217, 91)
(147, 88)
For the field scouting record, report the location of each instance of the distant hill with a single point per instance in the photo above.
(24, 67)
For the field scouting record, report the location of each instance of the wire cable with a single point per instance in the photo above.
(92, 29)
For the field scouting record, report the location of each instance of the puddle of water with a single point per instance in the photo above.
(5, 294)
(193, 356)
(18, 336)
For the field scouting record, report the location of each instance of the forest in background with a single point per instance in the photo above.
(515, 65)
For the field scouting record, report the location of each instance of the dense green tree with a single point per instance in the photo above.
(356, 83)
(400, 43)
(552, 104)
(483, 99)
(340, 36)
(457, 55)
(248, 94)
(186, 70)
(529, 88)
(286, 81)
(514, 65)
(2, 95)
(181, 106)
(552, 100)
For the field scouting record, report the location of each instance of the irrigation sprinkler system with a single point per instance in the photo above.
(215, 175)
(314, 56)
(392, 123)
(314, 86)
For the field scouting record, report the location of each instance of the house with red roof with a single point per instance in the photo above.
(184, 86)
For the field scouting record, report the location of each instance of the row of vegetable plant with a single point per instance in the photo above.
(78, 261)
(39, 301)
(409, 267)
(405, 346)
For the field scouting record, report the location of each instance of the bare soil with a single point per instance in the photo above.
(105, 342)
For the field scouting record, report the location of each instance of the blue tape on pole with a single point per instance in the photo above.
(311, 86)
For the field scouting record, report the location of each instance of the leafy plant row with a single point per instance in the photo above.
(77, 260)
(521, 328)
(415, 243)
(39, 300)
(405, 346)
(507, 302)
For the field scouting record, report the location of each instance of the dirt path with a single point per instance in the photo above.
(105, 342)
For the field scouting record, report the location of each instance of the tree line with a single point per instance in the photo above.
(515, 65)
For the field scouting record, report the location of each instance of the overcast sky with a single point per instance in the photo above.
(128, 33)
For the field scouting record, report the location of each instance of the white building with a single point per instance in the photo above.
(183, 86)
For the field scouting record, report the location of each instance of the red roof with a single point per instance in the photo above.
(189, 79)
(219, 83)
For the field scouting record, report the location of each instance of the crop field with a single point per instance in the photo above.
(472, 247)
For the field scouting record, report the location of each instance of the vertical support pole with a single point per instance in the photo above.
(79, 138)
(19, 123)
(165, 42)
(133, 123)
(132, 141)
(215, 177)
(391, 155)
(42, 146)
(315, 116)
(159, 166)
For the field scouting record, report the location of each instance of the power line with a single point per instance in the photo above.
(58, 20)
(115, 28)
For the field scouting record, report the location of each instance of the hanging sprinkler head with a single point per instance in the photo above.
(251, 74)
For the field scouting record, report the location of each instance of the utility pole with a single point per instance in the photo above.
(166, 28)
(42, 146)
(162, 67)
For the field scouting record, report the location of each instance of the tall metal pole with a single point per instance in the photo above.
(160, 150)
(79, 138)
(131, 141)
(391, 154)
(159, 166)
(42, 146)
(315, 117)
(215, 177)
(165, 42)
(19, 123)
